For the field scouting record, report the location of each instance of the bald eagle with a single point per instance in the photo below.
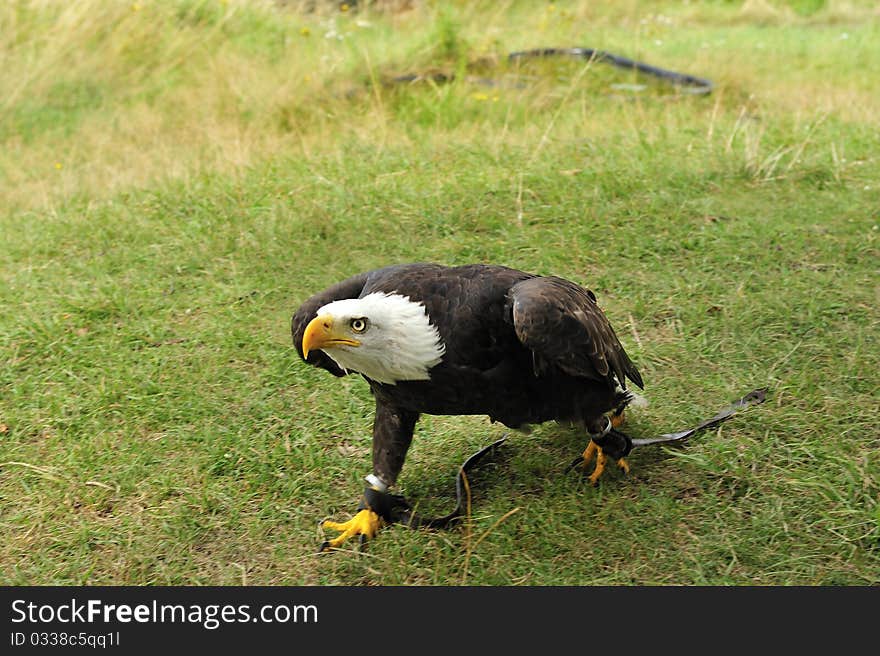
(468, 340)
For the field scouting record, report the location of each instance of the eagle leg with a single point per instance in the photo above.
(617, 420)
(392, 435)
(365, 524)
(610, 442)
(594, 450)
(600, 461)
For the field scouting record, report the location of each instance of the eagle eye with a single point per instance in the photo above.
(359, 325)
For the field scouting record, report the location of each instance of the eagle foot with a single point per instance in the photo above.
(593, 450)
(364, 524)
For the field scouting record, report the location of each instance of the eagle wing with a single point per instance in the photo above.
(348, 288)
(562, 325)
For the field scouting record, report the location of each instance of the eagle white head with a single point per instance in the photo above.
(386, 337)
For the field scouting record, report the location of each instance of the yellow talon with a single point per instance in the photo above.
(589, 452)
(600, 465)
(592, 450)
(366, 523)
(618, 419)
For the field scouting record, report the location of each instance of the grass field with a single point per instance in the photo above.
(176, 177)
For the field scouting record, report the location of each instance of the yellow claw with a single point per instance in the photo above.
(366, 523)
(600, 465)
(594, 449)
(618, 419)
(589, 452)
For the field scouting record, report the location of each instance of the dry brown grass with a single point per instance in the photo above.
(121, 94)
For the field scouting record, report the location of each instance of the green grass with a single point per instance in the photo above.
(177, 177)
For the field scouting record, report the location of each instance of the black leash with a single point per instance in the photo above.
(685, 82)
(618, 445)
(395, 509)
(692, 83)
(752, 398)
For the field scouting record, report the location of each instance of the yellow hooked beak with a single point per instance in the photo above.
(322, 333)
